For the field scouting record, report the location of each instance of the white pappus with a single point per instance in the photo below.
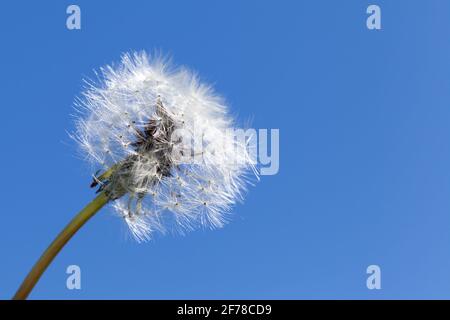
(164, 144)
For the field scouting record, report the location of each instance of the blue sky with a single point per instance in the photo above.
(364, 119)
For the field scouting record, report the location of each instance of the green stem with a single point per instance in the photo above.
(47, 257)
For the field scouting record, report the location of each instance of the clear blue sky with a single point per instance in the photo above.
(364, 119)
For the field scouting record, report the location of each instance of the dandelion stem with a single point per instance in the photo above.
(47, 257)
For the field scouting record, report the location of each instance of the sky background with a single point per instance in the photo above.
(364, 119)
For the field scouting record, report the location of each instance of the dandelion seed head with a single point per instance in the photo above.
(160, 137)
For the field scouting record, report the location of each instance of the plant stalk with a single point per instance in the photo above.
(55, 247)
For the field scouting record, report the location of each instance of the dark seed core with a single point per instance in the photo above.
(153, 140)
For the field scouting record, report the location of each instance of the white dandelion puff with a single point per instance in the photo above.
(160, 137)
(161, 141)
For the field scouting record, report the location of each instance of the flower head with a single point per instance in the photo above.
(164, 144)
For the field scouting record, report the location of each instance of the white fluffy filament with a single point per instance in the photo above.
(165, 138)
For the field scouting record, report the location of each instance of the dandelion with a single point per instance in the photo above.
(161, 142)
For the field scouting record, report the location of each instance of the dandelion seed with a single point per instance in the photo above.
(159, 136)
(155, 102)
